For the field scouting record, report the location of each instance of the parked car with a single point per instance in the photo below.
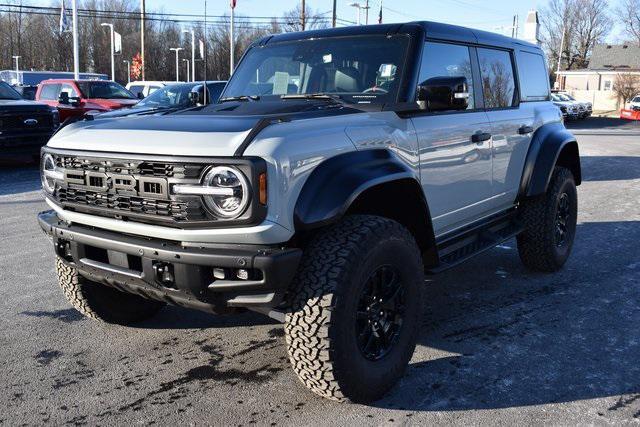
(34, 78)
(142, 89)
(25, 126)
(75, 98)
(320, 201)
(635, 103)
(570, 110)
(585, 107)
(170, 99)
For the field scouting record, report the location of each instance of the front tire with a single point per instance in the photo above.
(550, 224)
(100, 302)
(353, 324)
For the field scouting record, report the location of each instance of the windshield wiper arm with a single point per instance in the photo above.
(312, 96)
(240, 98)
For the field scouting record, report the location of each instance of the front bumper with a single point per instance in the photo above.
(169, 272)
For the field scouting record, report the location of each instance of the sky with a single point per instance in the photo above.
(489, 15)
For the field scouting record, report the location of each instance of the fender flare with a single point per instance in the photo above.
(547, 144)
(338, 181)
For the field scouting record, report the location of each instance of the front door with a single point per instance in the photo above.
(455, 165)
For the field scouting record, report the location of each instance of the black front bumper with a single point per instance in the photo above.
(168, 271)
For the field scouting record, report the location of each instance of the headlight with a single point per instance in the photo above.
(49, 174)
(227, 191)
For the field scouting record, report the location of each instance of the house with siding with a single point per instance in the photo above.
(595, 83)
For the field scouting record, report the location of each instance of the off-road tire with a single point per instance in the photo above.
(538, 244)
(320, 327)
(100, 302)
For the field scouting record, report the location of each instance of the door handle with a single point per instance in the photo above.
(525, 130)
(480, 137)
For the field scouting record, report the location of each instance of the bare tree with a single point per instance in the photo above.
(292, 20)
(629, 16)
(577, 25)
(626, 86)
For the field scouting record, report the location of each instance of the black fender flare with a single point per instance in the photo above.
(545, 148)
(336, 182)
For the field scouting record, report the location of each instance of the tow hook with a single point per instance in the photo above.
(163, 274)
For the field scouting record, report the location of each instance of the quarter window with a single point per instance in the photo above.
(498, 83)
(534, 80)
(447, 60)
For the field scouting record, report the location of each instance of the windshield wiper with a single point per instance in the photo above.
(322, 96)
(240, 98)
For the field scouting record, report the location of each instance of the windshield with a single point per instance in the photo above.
(636, 99)
(177, 95)
(346, 66)
(7, 92)
(104, 90)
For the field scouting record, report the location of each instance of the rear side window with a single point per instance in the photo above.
(136, 89)
(498, 82)
(50, 92)
(534, 80)
(447, 60)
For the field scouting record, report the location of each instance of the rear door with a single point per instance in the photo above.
(455, 170)
(512, 123)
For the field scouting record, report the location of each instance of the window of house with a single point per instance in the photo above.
(447, 60)
(606, 85)
(498, 82)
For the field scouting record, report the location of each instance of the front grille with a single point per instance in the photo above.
(17, 121)
(119, 166)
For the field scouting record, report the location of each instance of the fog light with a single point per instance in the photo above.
(242, 274)
(219, 273)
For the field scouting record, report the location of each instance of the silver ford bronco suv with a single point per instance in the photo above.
(338, 167)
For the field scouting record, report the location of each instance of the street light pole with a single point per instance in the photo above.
(113, 64)
(193, 54)
(17, 57)
(76, 50)
(177, 51)
(187, 61)
(231, 49)
(128, 70)
(142, 11)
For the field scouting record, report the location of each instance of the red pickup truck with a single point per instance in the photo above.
(78, 97)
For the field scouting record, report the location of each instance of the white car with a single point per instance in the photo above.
(635, 103)
(142, 89)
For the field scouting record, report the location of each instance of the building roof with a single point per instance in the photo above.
(618, 57)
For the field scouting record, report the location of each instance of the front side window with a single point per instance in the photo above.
(358, 68)
(498, 82)
(136, 89)
(69, 90)
(104, 90)
(447, 60)
(50, 92)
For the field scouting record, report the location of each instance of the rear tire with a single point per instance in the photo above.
(550, 224)
(100, 302)
(343, 342)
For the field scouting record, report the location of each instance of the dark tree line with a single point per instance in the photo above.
(34, 35)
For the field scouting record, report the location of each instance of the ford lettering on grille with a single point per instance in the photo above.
(102, 182)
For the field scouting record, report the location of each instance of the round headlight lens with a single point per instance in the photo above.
(48, 167)
(231, 191)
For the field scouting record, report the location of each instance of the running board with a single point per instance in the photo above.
(458, 247)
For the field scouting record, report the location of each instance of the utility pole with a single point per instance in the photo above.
(177, 51)
(76, 50)
(514, 27)
(142, 11)
(366, 13)
(128, 70)
(232, 50)
(303, 16)
(333, 17)
(113, 64)
(187, 61)
(193, 53)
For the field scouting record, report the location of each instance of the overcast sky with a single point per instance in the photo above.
(488, 15)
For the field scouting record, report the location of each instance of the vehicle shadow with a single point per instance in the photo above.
(19, 180)
(496, 336)
(172, 317)
(610, 168)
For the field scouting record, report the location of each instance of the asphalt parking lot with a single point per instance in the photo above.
(499, 345)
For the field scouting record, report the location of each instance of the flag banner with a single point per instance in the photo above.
(380, 14)
(201, 46)
(117, 42)
(233, 4)
(65, 26)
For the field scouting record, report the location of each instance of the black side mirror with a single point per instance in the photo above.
(140, 95)
(74, 101)
(194, 98)
(63, 98)
(443, 94)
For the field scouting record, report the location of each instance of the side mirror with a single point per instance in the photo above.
(74, 101)
(194, 98)
(140, 95)
(63, 98)
(443, 94)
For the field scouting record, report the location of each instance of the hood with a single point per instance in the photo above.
(22, 105)
(113, 104)
(190, 133)
(134, 111)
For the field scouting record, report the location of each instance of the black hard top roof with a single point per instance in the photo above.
(433, 30)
